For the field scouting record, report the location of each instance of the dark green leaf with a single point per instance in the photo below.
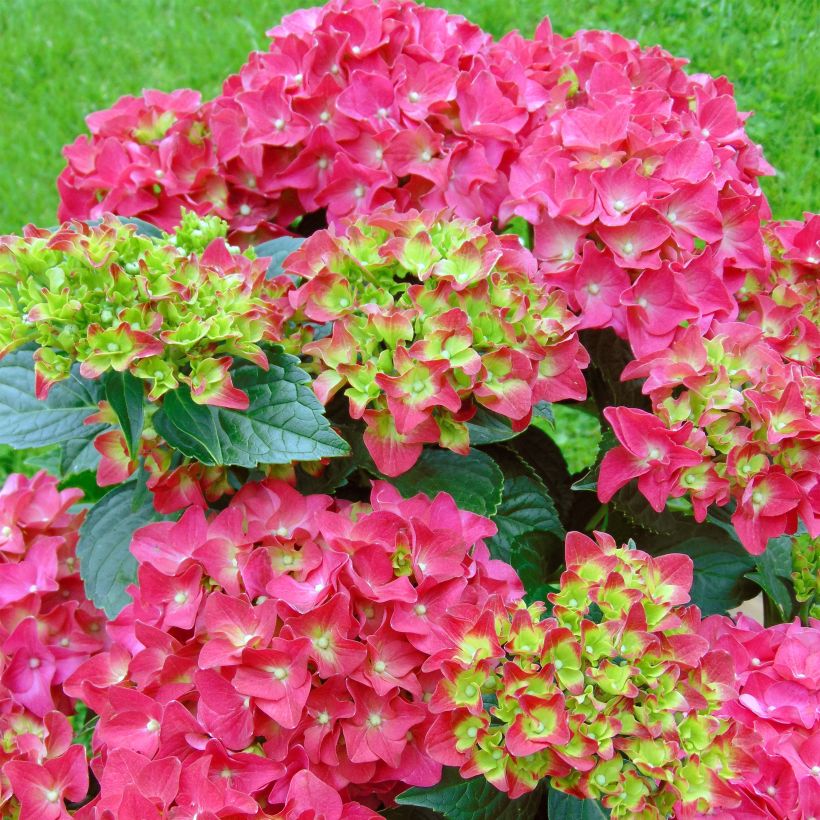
(526, 506)
(562, 806)
(78, 456)
(106, 564)
(610, 355)
(25, 421)
(285, 421)
(537, 557)
(487, 427)
(126, 395)
(474, 481)
(458, 799)
(720, 568)
(541, 453)
(543, 412)
(276, 251)
(143, 228)
(772, 574)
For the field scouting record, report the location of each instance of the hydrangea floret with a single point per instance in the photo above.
(430, 318)
(614, 695)
(285, 637)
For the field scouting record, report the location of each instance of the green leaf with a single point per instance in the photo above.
(487, 427)
(526, 506)
(562, 806)
(25, 421)
(542, 412)
(106, 564)
(772, 574)
(277, 250)
(285, 421)
(458, 799)
(126, 395)
(720, 568)
(475, 481)
(78, 456)
(143, 228)
(530, 534)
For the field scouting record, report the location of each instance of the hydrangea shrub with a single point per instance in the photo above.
(300, 347)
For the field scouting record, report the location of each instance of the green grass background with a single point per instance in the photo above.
(61, 59)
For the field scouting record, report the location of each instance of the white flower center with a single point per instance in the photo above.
(414, 96)
(628, 247)
(34, 663)
(181, 597)
(618, 205)
(379, 667)
(152, 725)
(279, 672)
(420, 609)
(244, 209)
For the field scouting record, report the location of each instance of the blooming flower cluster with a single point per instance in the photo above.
(778, 679)
(621, 160)
(168, 310)
(613, 697)
(736, 413)
(281, 650)
(806, 573)
(47, 630)
(431, 318)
